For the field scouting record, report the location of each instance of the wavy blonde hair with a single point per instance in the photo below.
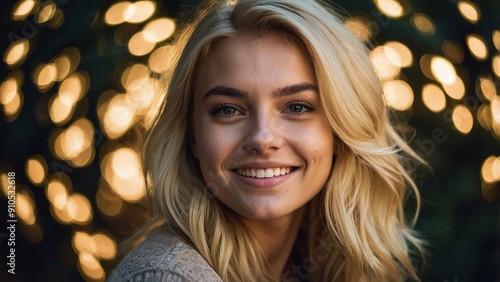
(358, 221)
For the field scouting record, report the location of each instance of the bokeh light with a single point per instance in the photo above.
(383, 65)
(61, 109)
(74, 87)
(398, 94)
(73, 140)
(90, 267)
(119, 116)
(423, 24)
(138, 12)
(139, 45)
(3, 185)
(393, 9)
(79, 209)
(443, 70)
(82, 242)
(477, 46)
(159, 30)
(122, 171)
(158, 59)
(495, 37)
(488, 89)
(489, 172)
(36, 169)
(425, 66)
(11, 99)
(23, 9)
(58, 188)
(496, 169)
(56, 20)
(484, 116)
(44, 76)
(46, 12)
(455, 89)
(16, 52)
(469, 10)
(104, 246)
(453, 51)
(25, 208)
(8, 90)
(135, 76)
(71, 91)
(495, 65)
(495, 109)
(398, 53)
(115, 14)
(141, 98)
(433, 97)
(462, 119)
(74, 144)
(66, 206)
(66, 62)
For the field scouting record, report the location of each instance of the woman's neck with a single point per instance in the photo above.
(276, 238)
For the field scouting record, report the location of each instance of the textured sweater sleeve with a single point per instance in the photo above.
(152, 276)
(163, 257)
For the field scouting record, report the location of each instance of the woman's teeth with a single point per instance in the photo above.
(263, 172)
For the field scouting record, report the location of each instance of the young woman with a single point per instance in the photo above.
(273, 158)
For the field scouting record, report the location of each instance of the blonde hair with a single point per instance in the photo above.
(356, 228)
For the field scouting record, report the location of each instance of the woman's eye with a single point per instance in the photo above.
(298, 108)
(225, 111)
(228, 111)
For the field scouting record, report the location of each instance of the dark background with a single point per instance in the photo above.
(462, 225)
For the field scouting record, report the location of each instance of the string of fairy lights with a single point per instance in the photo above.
(73, 138)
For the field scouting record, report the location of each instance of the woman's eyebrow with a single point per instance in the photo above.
(280, 92)
(226, 91)
(294, 89)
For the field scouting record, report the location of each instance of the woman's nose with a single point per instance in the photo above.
(264, 134)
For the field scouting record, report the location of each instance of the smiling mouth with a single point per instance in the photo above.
(264, 172)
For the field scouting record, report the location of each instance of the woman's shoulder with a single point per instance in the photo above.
(163, 257)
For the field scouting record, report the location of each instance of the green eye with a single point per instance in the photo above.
(228, 111)
(297, 108)
(225, 110)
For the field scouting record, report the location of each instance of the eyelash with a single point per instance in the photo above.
(217, 110)
(309, 107)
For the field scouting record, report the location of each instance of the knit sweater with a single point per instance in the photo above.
(163, 257)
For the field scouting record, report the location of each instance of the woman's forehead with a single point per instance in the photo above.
(253, 40)
(266, 60)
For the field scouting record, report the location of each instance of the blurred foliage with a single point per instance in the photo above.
(70, 233)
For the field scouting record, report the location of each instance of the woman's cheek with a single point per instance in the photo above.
(215, 144)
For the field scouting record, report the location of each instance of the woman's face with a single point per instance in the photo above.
(260, 136)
